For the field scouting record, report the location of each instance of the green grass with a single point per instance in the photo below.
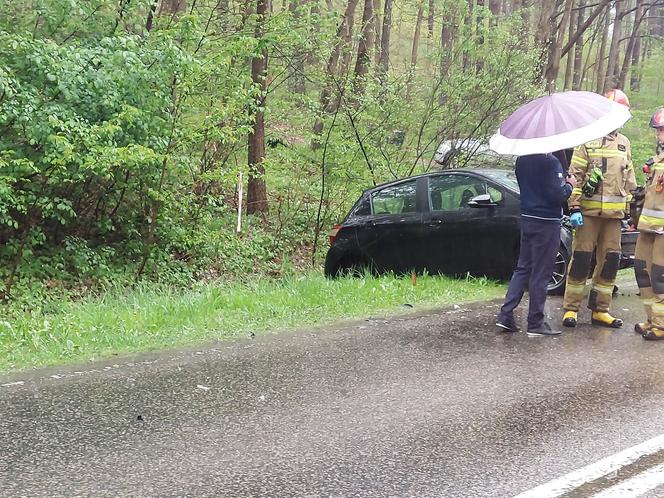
(123, 321)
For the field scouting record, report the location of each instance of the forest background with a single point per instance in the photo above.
(128, 126)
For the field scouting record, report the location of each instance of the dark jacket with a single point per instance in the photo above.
(542, 185)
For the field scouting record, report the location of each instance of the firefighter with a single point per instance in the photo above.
(605, 176)
(649, 256)
(657, 122)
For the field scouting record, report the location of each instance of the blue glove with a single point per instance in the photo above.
(576, 219)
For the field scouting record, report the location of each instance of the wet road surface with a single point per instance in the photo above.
(430, 404)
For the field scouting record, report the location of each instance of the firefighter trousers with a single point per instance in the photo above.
(602, 234)
(649, 272)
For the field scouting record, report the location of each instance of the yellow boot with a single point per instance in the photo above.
(642, 327)
(606, 320)
(569, 319)
(653, 334)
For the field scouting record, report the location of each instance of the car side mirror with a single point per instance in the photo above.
(481, 201)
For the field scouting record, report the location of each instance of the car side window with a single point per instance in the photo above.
(396, 199)
(363, 208)
(452, 192)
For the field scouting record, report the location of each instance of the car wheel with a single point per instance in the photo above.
(557, 284)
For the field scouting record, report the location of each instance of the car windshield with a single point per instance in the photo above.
(505, 177)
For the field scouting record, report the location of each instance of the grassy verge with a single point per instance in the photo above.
(123, 321)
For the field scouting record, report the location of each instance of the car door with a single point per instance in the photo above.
(393, 234)
(450, 239)
(460, 238)
(499, 225)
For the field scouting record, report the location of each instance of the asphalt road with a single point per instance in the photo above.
(430, 404)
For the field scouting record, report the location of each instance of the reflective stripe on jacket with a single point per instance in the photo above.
(613, 155)
(652, 216)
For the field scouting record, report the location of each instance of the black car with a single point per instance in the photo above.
(455, 222)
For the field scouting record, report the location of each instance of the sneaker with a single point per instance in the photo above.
(508, 325)
(543, 330)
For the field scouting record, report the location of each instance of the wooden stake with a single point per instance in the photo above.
(239, 202)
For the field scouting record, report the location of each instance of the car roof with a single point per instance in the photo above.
(476, 171)
(462, 144)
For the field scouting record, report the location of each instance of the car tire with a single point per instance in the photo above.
(557, 285)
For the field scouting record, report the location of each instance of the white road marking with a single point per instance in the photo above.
(637, 485)
(578, 477)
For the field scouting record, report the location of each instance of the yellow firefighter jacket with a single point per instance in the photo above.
(613, 155)
(652, 215)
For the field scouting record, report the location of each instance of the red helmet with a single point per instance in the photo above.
(618, 96)
(657, 120)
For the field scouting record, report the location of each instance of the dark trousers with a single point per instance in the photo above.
(540, 241)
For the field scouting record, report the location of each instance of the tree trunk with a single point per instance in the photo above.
(339, 51)
(599, 86)
(364, 46)
(430, 18)
(347, 52)
(645, 51)
(223, 8)
(312, 57)
(447, 37)
(577, 78)
(177, 6)
(526, 18)
(344, 41)
(384, 59)
(297, 82)
(150, 20)
(247, 7)
(556, 41)
(652, 30)
(569, 63)
(256, 188)
(610, 81)
(468, 31)
(416, 35)
(545, 24)
(377, 30)
(638, 18)
(590, 62)
(634, 80)
(495, 7)
(223, 11)
(599, 8)
(479, 33)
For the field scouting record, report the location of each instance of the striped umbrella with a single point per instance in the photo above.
(558, 121)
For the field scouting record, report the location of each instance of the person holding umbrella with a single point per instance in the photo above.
(547, 124)
(543, 187)
(605, 176)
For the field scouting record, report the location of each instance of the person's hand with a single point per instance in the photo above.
(576, 219)
(571, 179)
